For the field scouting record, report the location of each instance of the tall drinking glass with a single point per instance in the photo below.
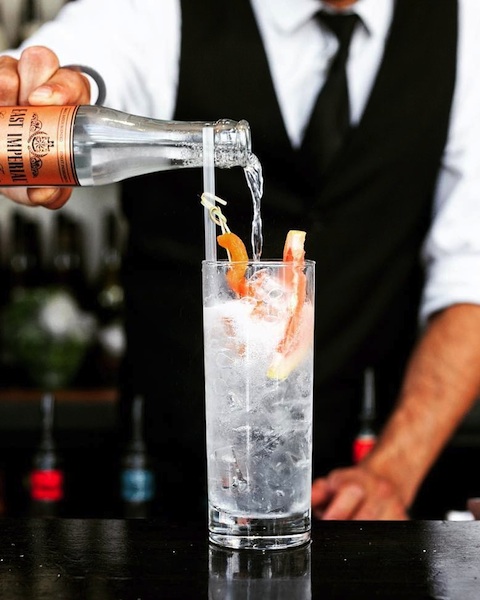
(259, 381)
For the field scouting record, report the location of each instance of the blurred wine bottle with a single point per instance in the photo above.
(137, 478)
(68, 272)
(4, 293)
(46, 481)
(12, 15)
(3, 271)
(24, 270)
(67, 269)
(109, 302)
(366, 436)
(25, 258)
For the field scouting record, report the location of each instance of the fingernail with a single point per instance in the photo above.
(43, 196)
(41, 93)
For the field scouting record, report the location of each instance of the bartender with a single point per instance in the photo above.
(392, 219)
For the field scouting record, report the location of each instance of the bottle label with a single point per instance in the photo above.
(137, 485)
(47, 485)
(36, 145)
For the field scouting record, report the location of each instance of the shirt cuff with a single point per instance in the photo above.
(452, 280)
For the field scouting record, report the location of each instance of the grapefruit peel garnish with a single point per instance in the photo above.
(236, 249)
(295, 343)
(297, 338)
(239, 260)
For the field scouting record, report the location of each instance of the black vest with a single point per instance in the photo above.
(365, 220)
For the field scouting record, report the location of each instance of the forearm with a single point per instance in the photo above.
(441, 384)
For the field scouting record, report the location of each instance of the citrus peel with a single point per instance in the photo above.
(238, 257)
(295, 342)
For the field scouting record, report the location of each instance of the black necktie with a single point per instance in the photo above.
(330, 119)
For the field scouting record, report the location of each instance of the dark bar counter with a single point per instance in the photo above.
(150, 559)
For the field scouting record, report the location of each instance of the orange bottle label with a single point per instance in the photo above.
(36, 145)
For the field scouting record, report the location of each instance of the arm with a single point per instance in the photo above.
(440, 385)
(443, 377)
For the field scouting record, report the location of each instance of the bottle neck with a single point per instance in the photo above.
(24, 262)
(137, 442)
(48, 407)
(179, 143)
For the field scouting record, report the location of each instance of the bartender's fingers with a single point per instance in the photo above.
(356, 494)
(356, 503)
(36, 66)
(9, 81)
(51, 198)
(345, 504)
(330, 502)
(322, 495)
(43, 82)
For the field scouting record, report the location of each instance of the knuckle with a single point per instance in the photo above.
(369, 512)
(77, 84)
(10, 81)
(40, 55)
(384, 489)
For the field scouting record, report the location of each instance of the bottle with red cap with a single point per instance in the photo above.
(366, 436)
(46, 481)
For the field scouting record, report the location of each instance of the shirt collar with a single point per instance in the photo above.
(288, 15)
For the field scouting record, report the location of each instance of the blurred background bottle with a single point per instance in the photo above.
(20, 18)
(68, 272)
(46, 480)
(4, 293)
(109, 302)
(12, 15)
(366, 436)
(67, 265)
(24, 270)
(137, 478)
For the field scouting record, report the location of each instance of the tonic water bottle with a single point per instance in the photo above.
(93, 145)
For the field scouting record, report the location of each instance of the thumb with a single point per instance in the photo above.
(36, 66)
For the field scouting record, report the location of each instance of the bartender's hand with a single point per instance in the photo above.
(355, 493)
(36, 79)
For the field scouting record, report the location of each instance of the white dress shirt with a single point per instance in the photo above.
(135, 45)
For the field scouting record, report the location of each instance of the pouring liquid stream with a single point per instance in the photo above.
(254, 176)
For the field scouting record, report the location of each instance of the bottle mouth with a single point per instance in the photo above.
(233, 141)
(244, 131)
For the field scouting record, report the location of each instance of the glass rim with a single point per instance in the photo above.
(264, 261)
